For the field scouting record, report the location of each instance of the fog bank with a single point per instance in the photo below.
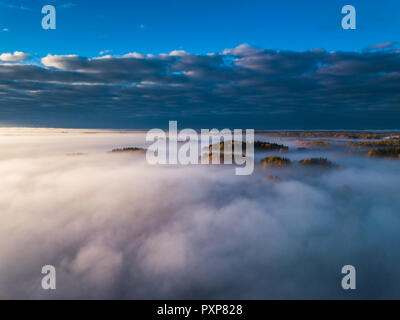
(115, 227)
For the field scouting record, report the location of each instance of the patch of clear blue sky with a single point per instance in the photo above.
(86, 27)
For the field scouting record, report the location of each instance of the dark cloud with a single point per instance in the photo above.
(133, 89)
(391, 45)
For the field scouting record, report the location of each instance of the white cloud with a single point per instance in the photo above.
(178, 53)
(13, 6)
(104, 52)
(60, 61)
(115, 227)
(133, 55)
(67, 5)
(14, 57)
(241, 50)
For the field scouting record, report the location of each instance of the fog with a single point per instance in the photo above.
(116, 227)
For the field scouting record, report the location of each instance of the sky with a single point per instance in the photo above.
(200, 27)
(296, 68)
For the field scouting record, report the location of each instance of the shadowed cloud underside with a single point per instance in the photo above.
(246, 86)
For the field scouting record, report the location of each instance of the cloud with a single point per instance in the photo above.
(17, 56)
(392, 45)
(64, 62)
(244, 83)
(117, 228)
(5, 29)
(104, 52)
(382, 45)
(134, 55)
(178, 53)
(242, 50)
(14, 6)
(67, 5)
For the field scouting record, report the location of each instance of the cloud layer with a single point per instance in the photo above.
(17, 56)
(116, 228)
(335, 89)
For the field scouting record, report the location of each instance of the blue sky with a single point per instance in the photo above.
(87, 27)
(257, 64)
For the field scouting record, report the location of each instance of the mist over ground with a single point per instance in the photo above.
(116, 227)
